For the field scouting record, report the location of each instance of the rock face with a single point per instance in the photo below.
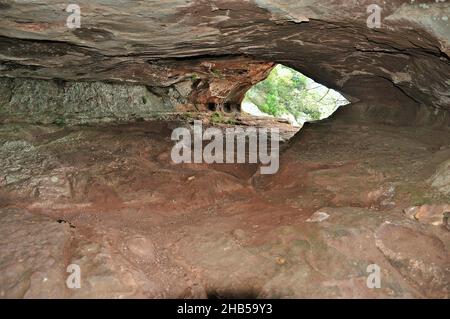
(441, 179)
(48, 101)
(417, 258)
(431, 214)
(31, 268)
(405, 62)
(213, 84)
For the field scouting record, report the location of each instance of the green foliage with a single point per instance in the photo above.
(60, 121)
(216, 73)
(194, 77)
(270, 105)
(216, 118)
(188, 115)
(285, 91)
(219, 118)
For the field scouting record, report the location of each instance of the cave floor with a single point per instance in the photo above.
(108, 199)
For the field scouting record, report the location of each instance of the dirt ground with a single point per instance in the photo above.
(108, 199)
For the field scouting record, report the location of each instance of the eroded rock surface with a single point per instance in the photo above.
(159, 44)
(422, 258)
(431, 214)
(143, 227)
(207, 85)
(441, 179)
(32, 255)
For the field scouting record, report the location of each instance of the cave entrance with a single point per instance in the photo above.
(290, 95)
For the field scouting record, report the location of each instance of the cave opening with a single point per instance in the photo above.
(292, 96)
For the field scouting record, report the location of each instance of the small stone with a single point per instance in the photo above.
(280, 260)
(428, 214)
(318, 217)
(411, 211)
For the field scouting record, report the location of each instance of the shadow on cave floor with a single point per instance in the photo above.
(232, 294)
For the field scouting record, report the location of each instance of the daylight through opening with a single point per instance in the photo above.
(287, 93)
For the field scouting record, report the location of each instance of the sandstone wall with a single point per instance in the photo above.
(405, 61)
